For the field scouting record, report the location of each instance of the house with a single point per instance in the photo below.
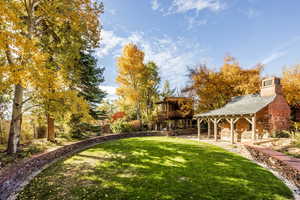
(175, 111)
(249, 117)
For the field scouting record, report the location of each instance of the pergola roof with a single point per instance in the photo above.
(241, 105)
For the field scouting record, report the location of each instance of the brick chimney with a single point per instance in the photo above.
(270, 87)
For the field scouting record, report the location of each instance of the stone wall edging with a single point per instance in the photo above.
(286, 166)
(15, 178)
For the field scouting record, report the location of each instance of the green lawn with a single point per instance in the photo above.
(155, 168)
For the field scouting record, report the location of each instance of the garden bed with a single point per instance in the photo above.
(288, 146)
(286, 166)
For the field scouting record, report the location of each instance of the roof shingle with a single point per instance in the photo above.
(241, 105)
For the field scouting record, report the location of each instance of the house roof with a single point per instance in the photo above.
(241, 105)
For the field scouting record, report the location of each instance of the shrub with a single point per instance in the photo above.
(121, 126)
(136, 124)
(281, 134)
(80, 129)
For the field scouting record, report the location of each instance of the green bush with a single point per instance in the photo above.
(281, 134)
(37, 148)
(121, 126)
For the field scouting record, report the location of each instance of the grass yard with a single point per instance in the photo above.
(155, 168)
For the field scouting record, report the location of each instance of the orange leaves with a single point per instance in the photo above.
(215, 88)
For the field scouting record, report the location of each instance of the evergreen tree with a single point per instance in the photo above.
(167, 91)
(90, 78)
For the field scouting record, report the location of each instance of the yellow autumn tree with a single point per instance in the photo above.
(209, 87)
(291, 88)
(149, 90)
(214, 89)
(291, 85)
(56, 100)
(34, 32)
(131, 77)
(242, 81)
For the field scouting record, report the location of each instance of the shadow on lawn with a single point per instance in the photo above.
(155, 168)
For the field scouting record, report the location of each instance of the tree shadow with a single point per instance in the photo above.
(156, 168)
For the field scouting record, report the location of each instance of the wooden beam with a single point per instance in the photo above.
(237, 119)
(209, 128)
(249, 120)
(199, 128)
(216, 129)
(232, 130)
(253, 128)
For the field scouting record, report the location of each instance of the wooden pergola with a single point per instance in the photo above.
(231, 119)
(241, 107)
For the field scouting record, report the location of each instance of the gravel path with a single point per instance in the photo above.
(239, 148)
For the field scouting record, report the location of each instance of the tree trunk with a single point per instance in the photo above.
(1, 133)
(138, 112)
(16, 120)
(34, 131)
(51, 133)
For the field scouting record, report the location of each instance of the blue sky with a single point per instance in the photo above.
(180, 33)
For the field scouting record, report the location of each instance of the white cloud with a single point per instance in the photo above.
(182, 6)
(109, 42)
(194, 22)
(281, 50)
(110, 90)
(172, 55)
(155, 5)
(274, 56)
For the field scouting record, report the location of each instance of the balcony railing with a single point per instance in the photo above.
(163, 115)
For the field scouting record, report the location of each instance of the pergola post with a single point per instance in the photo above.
(232, 130)
(215, 129)
(232, 122)
(253, 128)
(209, 129)
(199, 128)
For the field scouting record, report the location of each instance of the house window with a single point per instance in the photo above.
(267, 83)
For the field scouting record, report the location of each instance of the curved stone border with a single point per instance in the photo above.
(286, 166)
(14, 179)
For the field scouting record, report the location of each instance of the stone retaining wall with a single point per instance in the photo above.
(286, 166)
(13, 180)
